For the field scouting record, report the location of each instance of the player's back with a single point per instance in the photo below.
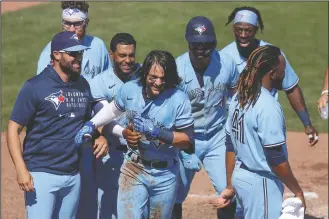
(254, 128)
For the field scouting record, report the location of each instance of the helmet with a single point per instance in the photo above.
(200, 30)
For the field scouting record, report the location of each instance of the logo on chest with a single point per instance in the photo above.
(56, 99)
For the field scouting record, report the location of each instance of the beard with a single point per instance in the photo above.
(67, 67)
(246, 51)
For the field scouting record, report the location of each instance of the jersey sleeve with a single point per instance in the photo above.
(98, 88)
(184, 116)
(119, 100)
(234, 77)
(105, 58)
(291, 79)
(25, 105)
(44, 59)
(270, 123)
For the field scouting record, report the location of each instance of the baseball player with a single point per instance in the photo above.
(256, 152)
(107, 84)
(247, 21)
(323, 100)
(95, 60)
(208, 77)
(161, 113)
(53, 106)
(75, 19)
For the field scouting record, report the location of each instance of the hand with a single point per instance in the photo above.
(133, 138)
(224, 199)
(145, 126)
(100, 147)
(322, 102)
(190, 161)
(300, 195)
(25, 180)
(312, 135)
(85, 133)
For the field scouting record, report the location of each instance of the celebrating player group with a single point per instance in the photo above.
(111, 138)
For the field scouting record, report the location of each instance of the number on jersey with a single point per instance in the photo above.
(237, 126)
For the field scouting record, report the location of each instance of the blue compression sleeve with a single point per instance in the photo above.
(275, 155)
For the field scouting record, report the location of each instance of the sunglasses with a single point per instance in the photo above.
(77, 24)
(73, 53)
(205, 45)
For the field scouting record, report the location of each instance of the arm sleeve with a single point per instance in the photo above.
(44, 59)
(25, 105)
(108, 113)
(291, 79)
(275, 155)
(184, 115)
(270, 125)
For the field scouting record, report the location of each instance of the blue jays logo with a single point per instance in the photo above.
(75, 37)
(200, 29)
(72, 11)
(56, 99)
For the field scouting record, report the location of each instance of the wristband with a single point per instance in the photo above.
(304, 117)
(325, 91)
(164, 135)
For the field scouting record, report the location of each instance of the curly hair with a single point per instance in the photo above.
(261, 61)
(81, 5)
(164, 59)
(252, 9)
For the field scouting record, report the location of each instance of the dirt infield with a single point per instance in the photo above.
(310, 166)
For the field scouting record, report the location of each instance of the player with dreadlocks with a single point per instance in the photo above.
(246, 23)
(256, 153)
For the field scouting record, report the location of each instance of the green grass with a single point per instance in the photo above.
(300, 29)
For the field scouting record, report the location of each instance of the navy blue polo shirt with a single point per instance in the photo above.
(53, 112)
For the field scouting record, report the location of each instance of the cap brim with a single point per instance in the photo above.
(75, 48)
(200, 39)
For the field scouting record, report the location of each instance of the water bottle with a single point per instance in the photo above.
(324, 112)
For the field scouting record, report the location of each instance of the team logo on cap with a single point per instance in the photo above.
(71, 11)
(75, 37)
(56, 99)
(239, 16)
(200, 29)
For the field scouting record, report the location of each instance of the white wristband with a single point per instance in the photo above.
(325, 91)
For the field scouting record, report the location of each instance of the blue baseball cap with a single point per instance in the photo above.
(67, 41)
(200, 30)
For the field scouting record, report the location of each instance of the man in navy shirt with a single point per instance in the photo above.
(53, 106)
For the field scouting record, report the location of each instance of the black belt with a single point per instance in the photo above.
(122, 147)
(153, 164)
(242, 166)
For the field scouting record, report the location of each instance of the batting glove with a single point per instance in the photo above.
(146, 127)
(190, 161)
(85, 133)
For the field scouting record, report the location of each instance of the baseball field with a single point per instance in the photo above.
(300, 29)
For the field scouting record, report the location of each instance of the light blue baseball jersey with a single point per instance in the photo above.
(170, 110)
(95, 59)
(290, 80)
(106, 85)
(208, 101)
(252, 130)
